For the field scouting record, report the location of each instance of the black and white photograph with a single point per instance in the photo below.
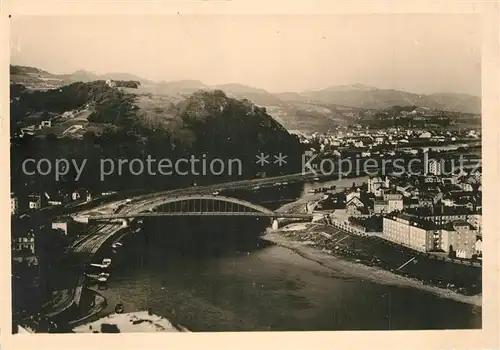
(256, 173)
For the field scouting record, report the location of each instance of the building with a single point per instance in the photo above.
(377, 184)
(389, 203)
(441, 215)
(435, 167)
(34, 201)
(23, 236)
(479, 247)
(466, 203)
(476, 220)
(449, 202)
(410, 232)
(465, 186)
(391, 195)
(359, 144)
(46, 124)
(14, 204)
(394, 200)
(379, 139)
(459, 238)
(352, 193)
(81, 194)
(425, 201)
(451, 180)
(380, 206)
(430, 179)
(24, 244)
(55, 198)
(425, 135)
(110, 83)
(355, 206)
(65, 224)
(408, 190)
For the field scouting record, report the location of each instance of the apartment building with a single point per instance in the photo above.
(411, 232)
(443, 215)
(25, 243)
(435, 167)
(394, 201)
(460, 238)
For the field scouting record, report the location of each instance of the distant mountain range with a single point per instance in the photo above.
(368, 97)
(357, 95)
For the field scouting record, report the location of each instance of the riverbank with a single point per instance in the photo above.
(362, 271)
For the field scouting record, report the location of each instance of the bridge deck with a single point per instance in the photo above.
(158, 214)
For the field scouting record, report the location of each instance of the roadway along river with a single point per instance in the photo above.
(213, 274)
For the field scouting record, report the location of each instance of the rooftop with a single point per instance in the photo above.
(414, 221)
(63, 219)
(452, 226)
(441, 210)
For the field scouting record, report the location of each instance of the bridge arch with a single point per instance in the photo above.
(239, 202)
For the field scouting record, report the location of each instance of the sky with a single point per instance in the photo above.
(415, 53)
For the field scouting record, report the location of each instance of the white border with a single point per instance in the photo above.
(474, 339)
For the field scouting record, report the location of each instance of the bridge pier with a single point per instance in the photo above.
(274, 224)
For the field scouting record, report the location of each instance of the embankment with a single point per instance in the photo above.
(363, 271)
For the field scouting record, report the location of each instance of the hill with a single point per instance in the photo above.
(367, 97)
(34, 78)
(116, 123)
(177, 87)
(37, 79)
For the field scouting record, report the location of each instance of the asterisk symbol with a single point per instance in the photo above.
(262, 159)
(280, 159)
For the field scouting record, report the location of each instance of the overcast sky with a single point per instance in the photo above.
(417, 53)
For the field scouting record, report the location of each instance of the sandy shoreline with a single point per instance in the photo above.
(366, 272)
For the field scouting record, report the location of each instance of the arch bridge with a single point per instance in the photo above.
(198, 205)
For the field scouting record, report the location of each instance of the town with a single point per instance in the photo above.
(436, 213)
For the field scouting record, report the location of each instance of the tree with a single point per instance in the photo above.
(51, 245)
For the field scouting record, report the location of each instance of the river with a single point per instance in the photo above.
(216, 274)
